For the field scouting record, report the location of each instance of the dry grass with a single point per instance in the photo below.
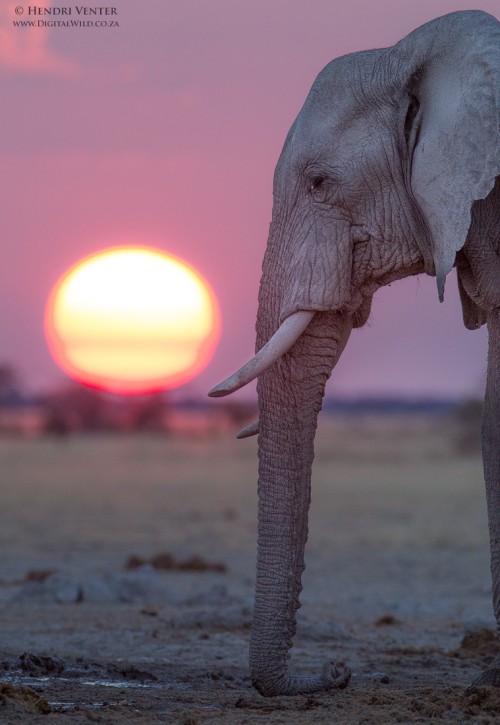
(397, 572)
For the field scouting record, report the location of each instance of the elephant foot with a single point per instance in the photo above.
(490, 677)
(331, 677)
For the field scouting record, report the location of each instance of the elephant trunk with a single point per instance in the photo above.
(304, 321)
(290, 397)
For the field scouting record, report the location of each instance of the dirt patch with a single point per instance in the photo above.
(483, 701)
(397, 583)
(480, 640)
(39, 665)
(18, 703)
(130, 673)
(167, 562)
(386, 620)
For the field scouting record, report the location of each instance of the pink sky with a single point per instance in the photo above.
(165, 131)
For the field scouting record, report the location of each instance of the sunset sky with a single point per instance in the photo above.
(165, 132)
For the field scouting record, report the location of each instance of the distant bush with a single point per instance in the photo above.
(76, 407)
(11, 390)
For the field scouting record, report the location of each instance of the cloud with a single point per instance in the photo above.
(27, 49)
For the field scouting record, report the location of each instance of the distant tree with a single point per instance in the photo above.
(77, 407)
(11, 393)
(149, 412)
(240, 411)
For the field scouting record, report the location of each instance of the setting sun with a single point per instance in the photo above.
(132, 320)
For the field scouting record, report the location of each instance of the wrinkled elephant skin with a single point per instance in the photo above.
(390, 169)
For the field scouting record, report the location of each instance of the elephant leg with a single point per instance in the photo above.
(491, 458)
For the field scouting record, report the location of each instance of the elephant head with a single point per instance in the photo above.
(375, 182)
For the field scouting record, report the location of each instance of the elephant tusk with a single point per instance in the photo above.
(282, 340)
(249, 430)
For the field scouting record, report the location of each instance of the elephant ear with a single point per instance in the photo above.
(452, 67)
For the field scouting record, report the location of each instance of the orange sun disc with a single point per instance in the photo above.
(132, 320)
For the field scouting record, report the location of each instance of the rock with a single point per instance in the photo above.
(39, 665)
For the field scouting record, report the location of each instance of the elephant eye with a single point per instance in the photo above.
(320, 187)
(316, 183)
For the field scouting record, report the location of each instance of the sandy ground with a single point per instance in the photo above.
(397, 581)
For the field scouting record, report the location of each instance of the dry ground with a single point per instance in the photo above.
(397, 580)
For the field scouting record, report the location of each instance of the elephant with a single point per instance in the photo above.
(390, 169)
